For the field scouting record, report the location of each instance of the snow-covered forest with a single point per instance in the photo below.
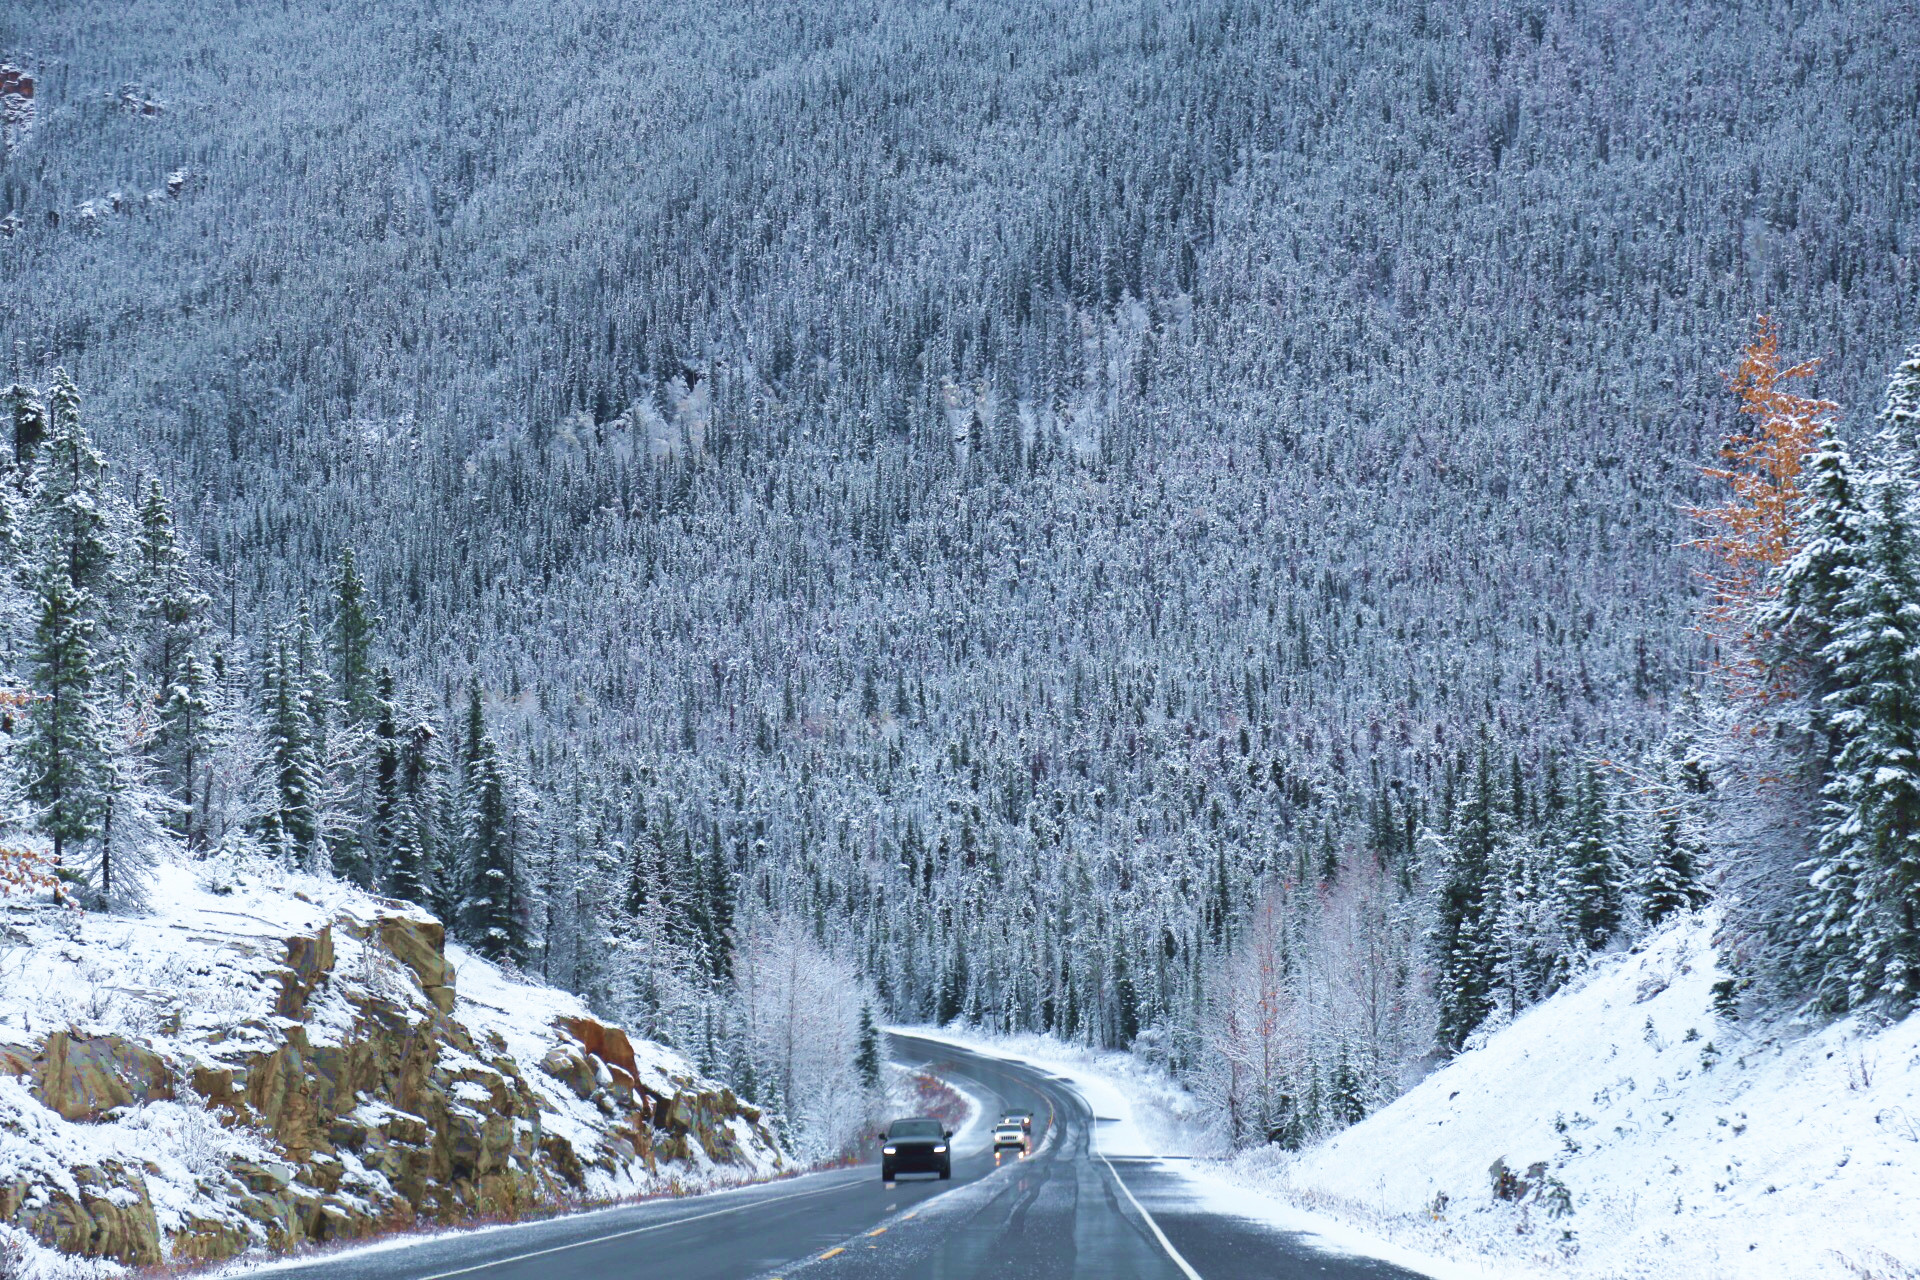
(1173, 526)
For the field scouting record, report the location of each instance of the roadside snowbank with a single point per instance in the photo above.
(1687, 1145)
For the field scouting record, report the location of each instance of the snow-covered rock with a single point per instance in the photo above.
(267, 1060)
(1686, 1144)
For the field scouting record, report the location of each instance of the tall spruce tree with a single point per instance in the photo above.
(351, 644)
(1590, 877)
(173, 610)
(1798, 624)
(1900, 417)
(1861, 936)
(1463, 935)
(397, 857)
(866, 1062)
(490, 914)
(291, 824)
(69, 749)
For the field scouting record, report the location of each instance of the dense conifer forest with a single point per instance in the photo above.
(1171, 525)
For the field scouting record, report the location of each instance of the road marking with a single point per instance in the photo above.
(878, 1231)
(1186, 1267)
(621, 1235)
(831, 1252)
(909, 1217)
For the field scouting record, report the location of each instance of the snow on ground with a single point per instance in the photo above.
(1688, 1145)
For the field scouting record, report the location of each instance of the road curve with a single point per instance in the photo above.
(1065, 1211)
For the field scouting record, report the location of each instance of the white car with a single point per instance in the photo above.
(1009, 1135)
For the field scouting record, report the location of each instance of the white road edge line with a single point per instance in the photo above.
(1093, 1143)
(1093, 1139)
(633, 1231)
(1178, 1261)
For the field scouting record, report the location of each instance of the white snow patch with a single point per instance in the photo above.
(1689, 1145)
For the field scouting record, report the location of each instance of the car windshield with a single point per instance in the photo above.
(916, 1129)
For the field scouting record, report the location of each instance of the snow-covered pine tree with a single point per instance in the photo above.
(68, 755)
(1798, 622)
(70, 750)
(1590, 878)
(1860, 934)
(1462, 932)
(173, 611)
(1671, 881)
(350, 643)
(184, 741)
(490, 913)
(1900, 417)
(867, 1062)
(395, 855)
(290, 827)
(26, 416)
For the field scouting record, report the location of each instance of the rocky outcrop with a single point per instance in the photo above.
(103, 1212)
(383, 1102)
(84, 1077)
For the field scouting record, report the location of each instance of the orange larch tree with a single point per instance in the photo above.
(1757, 529)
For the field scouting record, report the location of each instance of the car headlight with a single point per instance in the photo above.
(886, 1151)
(939, 1149)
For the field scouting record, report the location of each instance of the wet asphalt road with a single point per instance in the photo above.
(1064, 1211)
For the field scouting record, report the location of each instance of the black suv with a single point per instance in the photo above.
(915, 1146)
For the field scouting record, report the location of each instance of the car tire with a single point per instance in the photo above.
(886, 1173)
(946, 1171)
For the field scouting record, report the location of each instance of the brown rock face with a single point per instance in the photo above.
(407, 1091)
(309, 963)
(113, 1218)
(84, 1077)
(421, 945)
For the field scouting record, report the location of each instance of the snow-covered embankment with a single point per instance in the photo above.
(268, 1060)
(1646, 1136)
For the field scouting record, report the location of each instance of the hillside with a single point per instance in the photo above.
(866, 461)
(1687, 1145)
(271, 1060)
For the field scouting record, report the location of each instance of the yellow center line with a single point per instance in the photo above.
(909, 1217)
(879, 1232)
(831, 1252)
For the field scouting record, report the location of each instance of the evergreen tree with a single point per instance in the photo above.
(185, 741)
(396, 854)
(291, 825)
(1590, 882)
(70, 505)
(174, 611)
(351, 644)
(1862, 939)
(1799, 622)
(866, 1063)
(1463, 935)
(1671, 881)
(491, 914)
(27, 417)
(1900, 417)
(1347, 1097)
(69, 756)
